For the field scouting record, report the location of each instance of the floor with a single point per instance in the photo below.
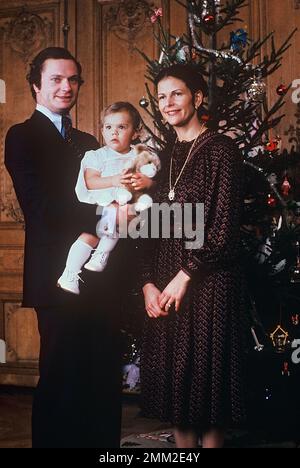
(137, 432)
(15, 418)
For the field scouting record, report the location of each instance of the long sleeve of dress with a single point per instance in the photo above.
(222, 208)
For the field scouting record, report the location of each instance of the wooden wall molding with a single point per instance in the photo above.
(11, 208)
(129, 19)
(18, 350)
(27, 33)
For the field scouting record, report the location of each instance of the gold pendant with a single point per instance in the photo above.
(171, 195)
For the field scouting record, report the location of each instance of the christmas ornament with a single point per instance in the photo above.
(285, 369)
(281, 90)
(271, 201)
(194, 55)
(161, 57)
(295, 270)
(264, 251)
(278, 268)
(257, 90)
(279, 337)
(157, 13)
(144, 103)
(238, 40)
(131, 377)
(279, 223)
(182, 54)
(210, 11)
(295, 319)
(209, 19)
(271, 145)
(286, 187)
(255, 151)
(258, 346)
(131, 367)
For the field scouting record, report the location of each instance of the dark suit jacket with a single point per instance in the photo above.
(44, 170)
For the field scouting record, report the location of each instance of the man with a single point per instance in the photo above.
(77, 400)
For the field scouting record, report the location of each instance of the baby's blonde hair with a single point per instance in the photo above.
(127, 107)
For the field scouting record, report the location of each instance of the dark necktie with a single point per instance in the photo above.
(66, 130)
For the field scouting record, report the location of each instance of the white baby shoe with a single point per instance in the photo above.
(98, 261)
(69, 281)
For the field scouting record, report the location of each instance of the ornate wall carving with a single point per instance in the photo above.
(27, 33)
(129, 19)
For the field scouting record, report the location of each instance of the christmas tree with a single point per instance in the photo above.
(237, 105)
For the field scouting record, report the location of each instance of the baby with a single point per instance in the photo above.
(104, 179)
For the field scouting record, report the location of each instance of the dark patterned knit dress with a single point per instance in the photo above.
(191, 367)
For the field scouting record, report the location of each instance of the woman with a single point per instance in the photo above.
(192, 349)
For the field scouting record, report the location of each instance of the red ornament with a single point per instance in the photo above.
(205, 117)
(209, 19)
(285, 369)
(286, 187)
(281, 89)
(271, 145)
(271, 201)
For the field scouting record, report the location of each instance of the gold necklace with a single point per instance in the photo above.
(171, 194)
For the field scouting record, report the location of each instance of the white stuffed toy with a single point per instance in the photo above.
(140, 159)
(148, 164)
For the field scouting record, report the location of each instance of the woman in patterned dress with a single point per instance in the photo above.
(192, 349)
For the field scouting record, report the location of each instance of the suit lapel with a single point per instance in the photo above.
(48, 132)
(46, 129)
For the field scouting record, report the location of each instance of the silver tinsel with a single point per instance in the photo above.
(256, 90)
(200, 48)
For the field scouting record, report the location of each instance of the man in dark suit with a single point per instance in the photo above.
(77, 400)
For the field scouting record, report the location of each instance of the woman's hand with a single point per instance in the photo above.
(151, 296)
(141, 182)
(174, 292)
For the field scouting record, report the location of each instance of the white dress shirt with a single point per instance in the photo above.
(56, 119)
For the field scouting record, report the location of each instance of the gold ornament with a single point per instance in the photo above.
(279, 337)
